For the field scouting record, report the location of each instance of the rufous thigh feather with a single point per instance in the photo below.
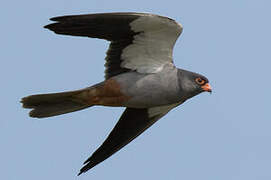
(107, 93)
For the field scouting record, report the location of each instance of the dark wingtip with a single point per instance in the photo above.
(34, 114)
(87, 166)
(64, 18)
(56, 21)
(25, 102)
(47, 26)
(83, 170)
(22, 101)
(54, 18)
(50, 26)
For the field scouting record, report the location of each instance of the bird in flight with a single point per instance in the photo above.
(139, 75)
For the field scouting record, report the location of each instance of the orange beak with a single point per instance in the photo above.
(207, 87)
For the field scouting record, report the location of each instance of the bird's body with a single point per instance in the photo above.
(140, 75)
(150, 90)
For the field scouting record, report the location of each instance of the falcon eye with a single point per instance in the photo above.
(200, 81)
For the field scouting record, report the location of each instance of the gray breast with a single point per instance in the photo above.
(149, 90)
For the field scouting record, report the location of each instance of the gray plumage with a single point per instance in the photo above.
(140, 75)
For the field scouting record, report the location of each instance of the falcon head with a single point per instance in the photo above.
(192, 84)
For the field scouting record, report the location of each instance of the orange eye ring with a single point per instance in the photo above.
(200, 81)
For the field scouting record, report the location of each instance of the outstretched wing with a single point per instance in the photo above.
(139, 41)
(130, 125)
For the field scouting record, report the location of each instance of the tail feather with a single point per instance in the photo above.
(47, 105)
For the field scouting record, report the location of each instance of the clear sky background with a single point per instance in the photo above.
(223, 136)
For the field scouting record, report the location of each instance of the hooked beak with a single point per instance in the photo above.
(207, 87)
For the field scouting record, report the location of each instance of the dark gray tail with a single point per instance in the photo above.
(46, 105)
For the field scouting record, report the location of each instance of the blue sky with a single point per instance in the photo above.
(223, 136)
